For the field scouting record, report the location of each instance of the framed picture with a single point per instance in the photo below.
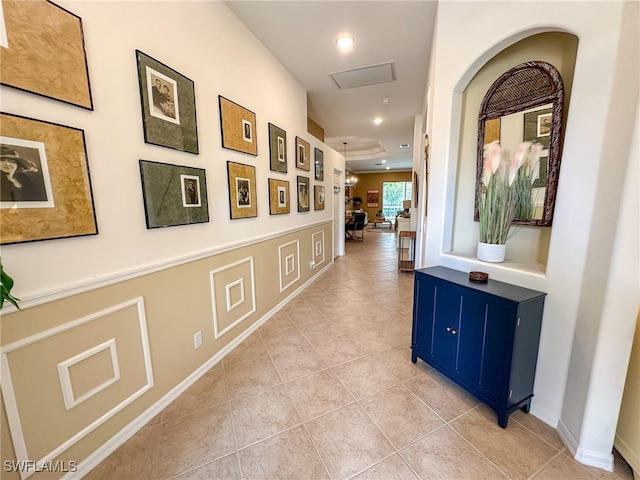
(279, 197)
(277, 149)
(45, 184)
(168, 106)
(319, 164)
(242, 190)
(303, 194)
(373, 198)
(238, 127)
(544, 125)
(537, 126)
(318, 197)
(43, 51)
(173, 194)
(303, 152)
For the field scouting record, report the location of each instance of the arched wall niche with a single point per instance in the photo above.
(528, 248)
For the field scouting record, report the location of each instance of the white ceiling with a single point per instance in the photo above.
(301, 35)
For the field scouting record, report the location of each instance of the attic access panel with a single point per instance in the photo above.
(359, 77)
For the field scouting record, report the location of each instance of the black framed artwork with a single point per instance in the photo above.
(45, 182)
(168, 105)
(238, 127)
(303, 154)
(318, 162)
(242, 190)
(43, 51)
(303, 194)
(173, 194)
(278, 197)
(277, 149)
(318, 197)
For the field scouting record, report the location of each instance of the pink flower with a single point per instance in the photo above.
(493, 154)
(517, 160)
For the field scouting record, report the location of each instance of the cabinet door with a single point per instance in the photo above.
(423, 298)
(499, 331)
(436, 314)
(446, 308)
(470, 338)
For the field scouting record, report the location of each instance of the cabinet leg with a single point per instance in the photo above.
(526, 407)
(414, 357)
(503, 419)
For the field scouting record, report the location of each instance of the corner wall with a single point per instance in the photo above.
(468, 35)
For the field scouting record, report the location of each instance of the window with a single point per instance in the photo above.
(393, 194)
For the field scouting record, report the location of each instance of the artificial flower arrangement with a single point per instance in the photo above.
(507, 182)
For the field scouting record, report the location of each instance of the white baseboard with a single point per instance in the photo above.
(94, 459)
(591, 458)
(544, 415)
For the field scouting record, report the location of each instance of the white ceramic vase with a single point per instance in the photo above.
(491, 252)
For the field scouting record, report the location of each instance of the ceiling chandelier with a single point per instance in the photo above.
(349, 180)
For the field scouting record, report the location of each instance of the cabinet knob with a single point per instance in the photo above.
(453, 332)
(448, 329)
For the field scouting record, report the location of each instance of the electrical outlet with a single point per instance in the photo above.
(312, 264)
(197, 340)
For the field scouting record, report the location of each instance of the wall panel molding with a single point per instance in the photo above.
(94, 459)
(289, 264)
(104, 281)
(19, 436)
(70, 398)
(317, 248)
(228, 282)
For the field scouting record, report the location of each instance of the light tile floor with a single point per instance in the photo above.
(326, 389)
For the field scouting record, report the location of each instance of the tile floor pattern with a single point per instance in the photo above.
(325, 389)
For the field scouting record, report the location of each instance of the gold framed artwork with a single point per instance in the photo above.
(42, 51)
(238, 127)
(168, 105)
(303, 194)
(242, 190)
(279, 202)
(45, 183)
(318, 197)
(303, 154)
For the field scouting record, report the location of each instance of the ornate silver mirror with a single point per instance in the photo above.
(525, 104)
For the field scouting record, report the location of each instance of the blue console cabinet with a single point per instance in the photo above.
(483, 336)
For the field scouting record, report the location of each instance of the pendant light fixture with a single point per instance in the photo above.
(349, 180)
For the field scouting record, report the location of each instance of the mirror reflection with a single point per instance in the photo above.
(525, 105)
(532, 125)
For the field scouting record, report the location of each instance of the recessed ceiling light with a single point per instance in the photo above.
(383, 161)
(404, 145)
(345, 42)
(387, 168)
(377, 120)
(385, 101)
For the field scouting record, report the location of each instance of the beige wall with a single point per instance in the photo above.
(151, 320)
(374, 181)
(628, 433)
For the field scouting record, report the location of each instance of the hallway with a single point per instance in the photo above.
(326, 389)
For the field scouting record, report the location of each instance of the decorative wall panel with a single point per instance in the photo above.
(289, 258)
(233, 295)
(317, 244)
(111, 349)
